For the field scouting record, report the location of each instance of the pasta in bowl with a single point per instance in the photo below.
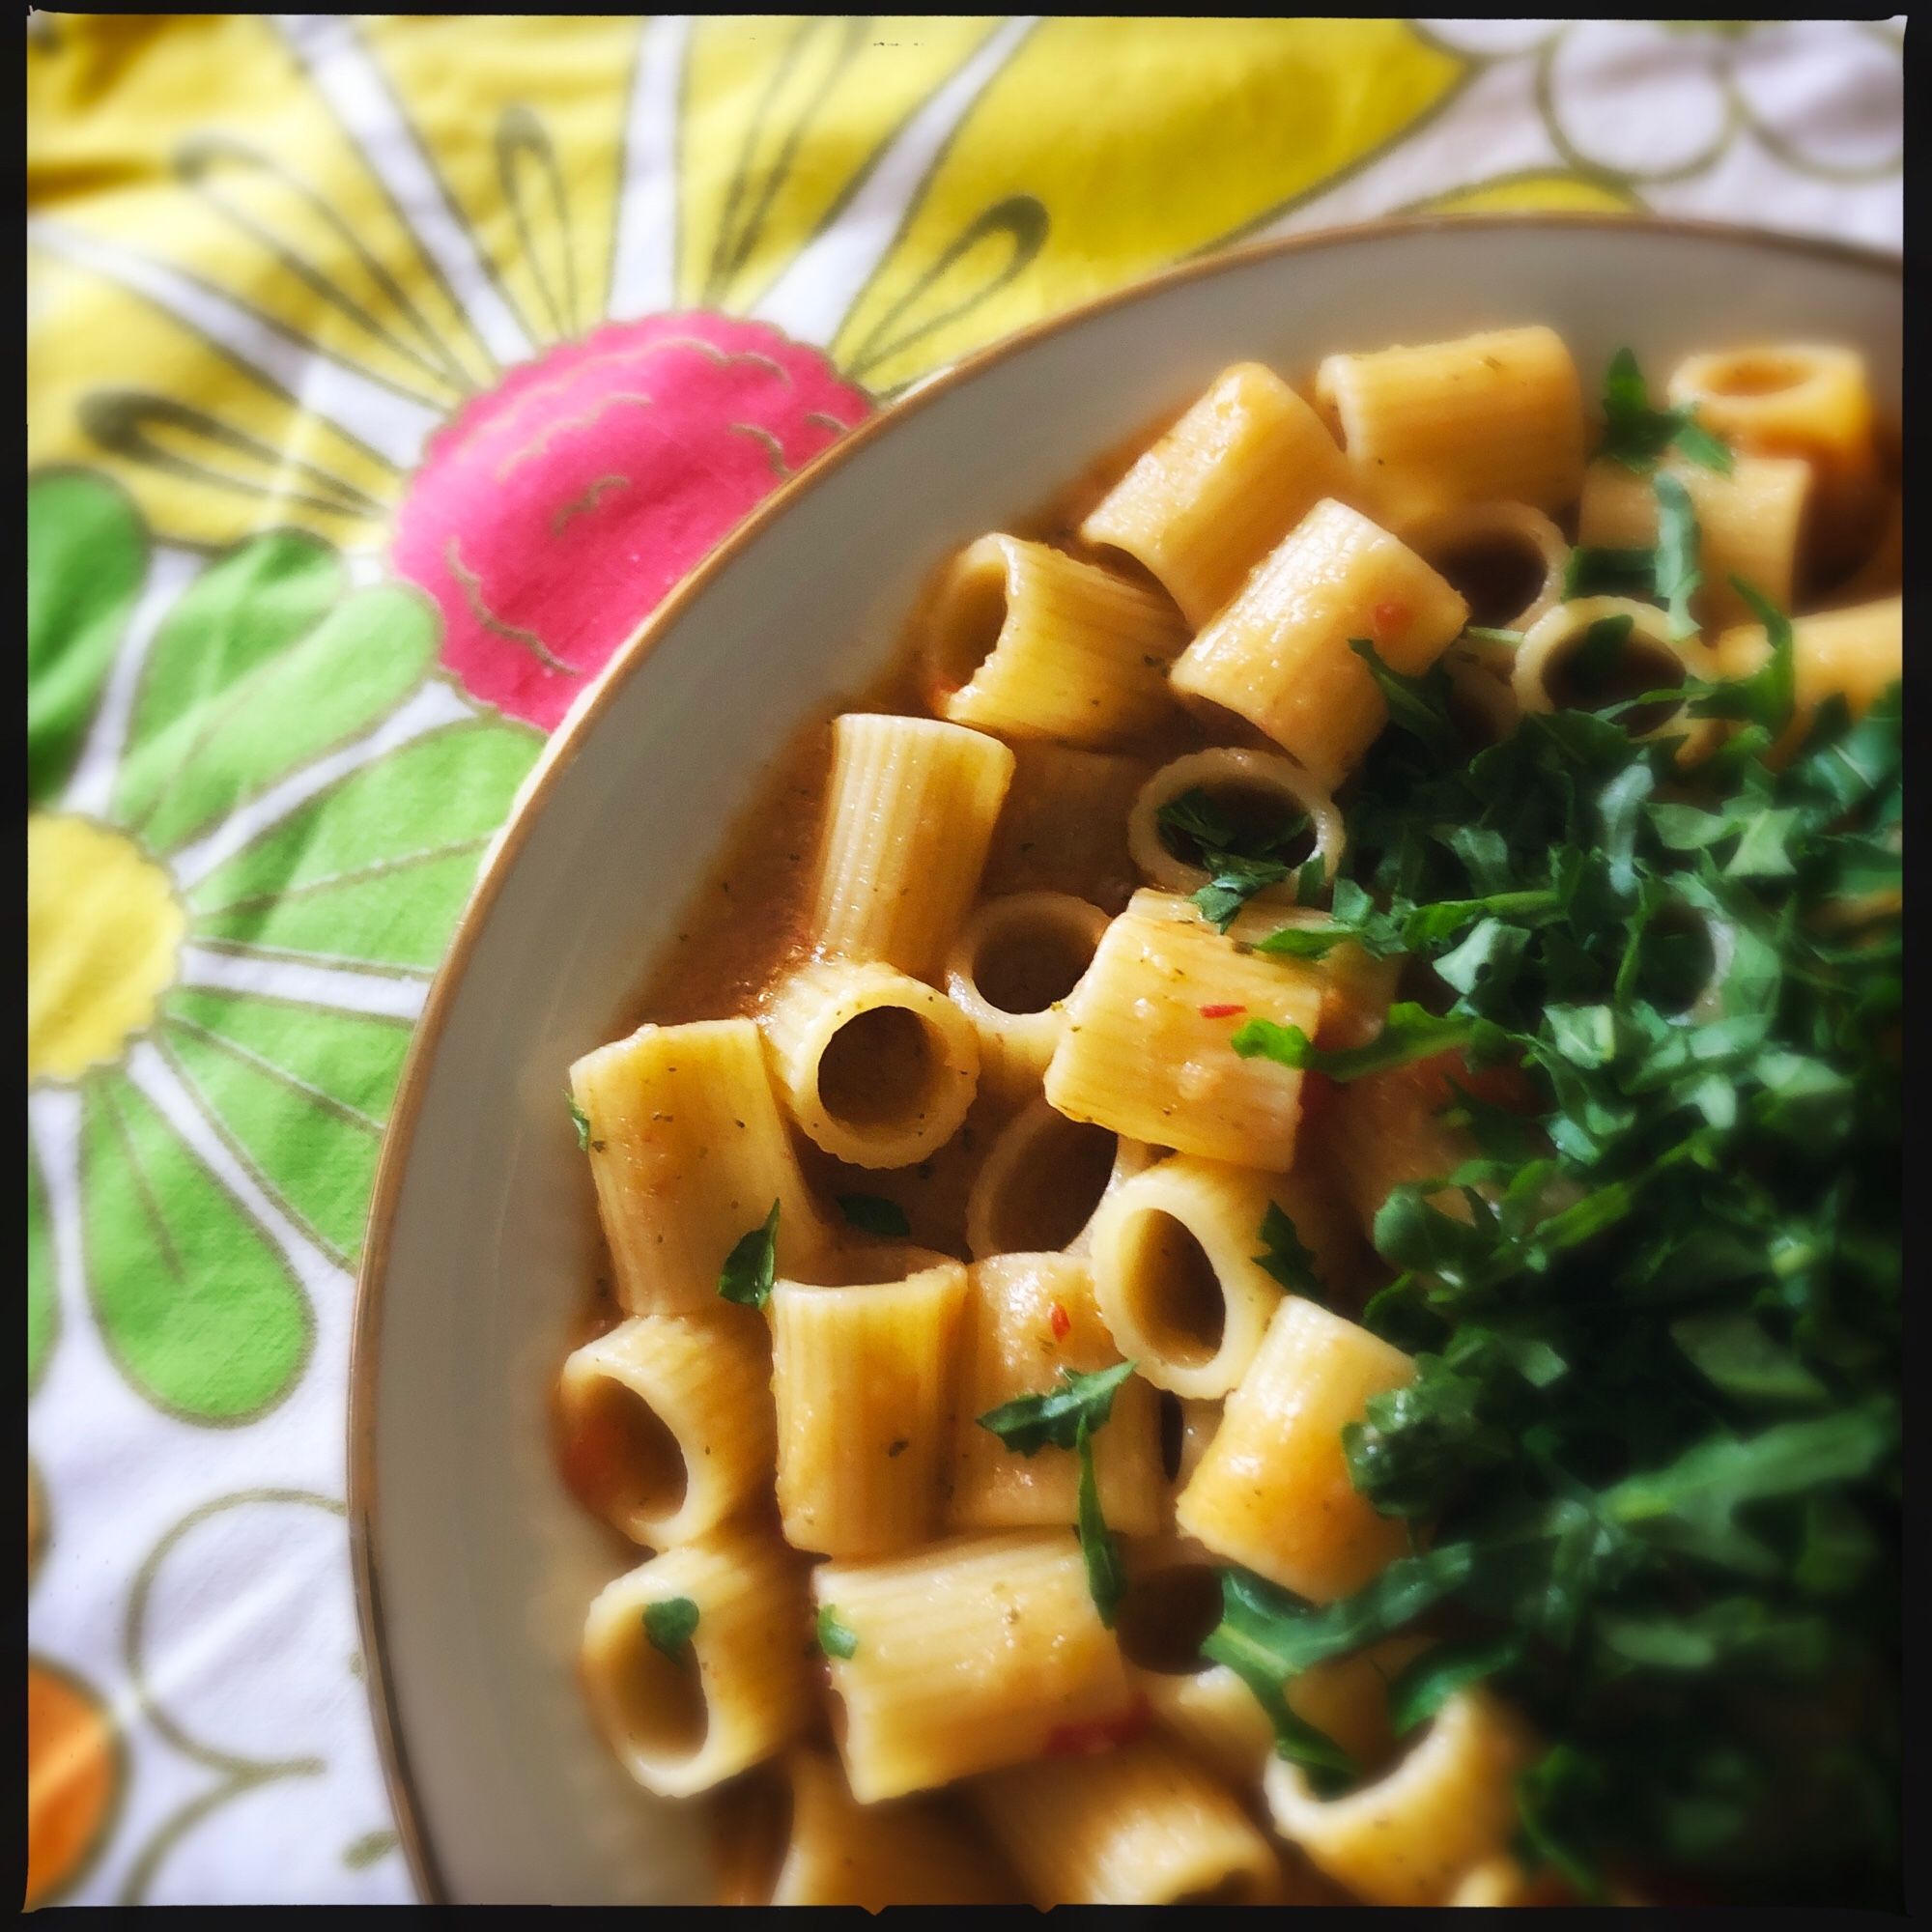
(1167, 1344)
(475, 1573)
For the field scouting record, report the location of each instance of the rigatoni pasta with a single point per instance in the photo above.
(695, 1660)
(1028, 1318)
(1036, 643)
(968, 1655)
(863, 1377)
(1273, 1493)
(688, 1150)
(1282, 653)
(667, 1422)
(1144, 1825)
(877, 1068)
(882, 890)
(1145, 1049)
(1221, 489)
(1116, 1328)
(1491, 418)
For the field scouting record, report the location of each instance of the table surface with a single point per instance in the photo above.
(316, 309)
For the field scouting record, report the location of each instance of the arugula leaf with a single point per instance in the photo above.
(1600, 570)
(1410, 1032)
(1031, 1422)
(1491, 634)
(875, 1214)
(669, 1627)
(835, 1639)
(1106, 1576)
(581, 1120)
(1637, 436)
(751, 1266)
(1596, 657)
(1285, 1258)
(1677, 572)
(1427, 1684)
(1239, 867)
(1416, 705)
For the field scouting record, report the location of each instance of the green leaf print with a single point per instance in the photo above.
(225, 963)
(198, 1308)
(86, 556)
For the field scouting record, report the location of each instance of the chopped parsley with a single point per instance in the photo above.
(1065, 1418)
(1283, 1255)
(581, 1120)
(1031, 1422)
(1240, 865)
(1651, 1449)
(670, 1627)
(835, 1639)
(875, 1214)
(752, 1266)
(1638, 436)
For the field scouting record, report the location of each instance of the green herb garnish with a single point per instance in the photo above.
(671, 1626)
(1650, 1449)
(752, 1266)
(1239, 865)
(875, 1214)
(1031, 1422)
(1284, 1256)
(1065, 1418)
(1637, 436)
(835, 1639)
(581, 1120)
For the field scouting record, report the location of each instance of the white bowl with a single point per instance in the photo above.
(473, 1565)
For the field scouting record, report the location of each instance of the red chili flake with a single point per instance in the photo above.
(1390, 614)
(1221, 1012)
(1060, 1319)
(1100, 1734)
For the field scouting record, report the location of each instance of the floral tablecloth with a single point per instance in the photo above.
(381, 371)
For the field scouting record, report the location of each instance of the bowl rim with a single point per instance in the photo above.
(399, 1132)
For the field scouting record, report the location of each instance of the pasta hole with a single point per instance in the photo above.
(1636, 667)
(877, 1068)
(1052, 1193)
(1166, 1617)
(1025, 967)
(1180, 1305)
(621, 1455)
(1498, 576)
(969, 626)
(661, 1700)
(1263, 823)
(1757, 376)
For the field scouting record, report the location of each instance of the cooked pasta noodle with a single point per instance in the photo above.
(1281, 654)
(1489, 417)
(735, 1690)
(1041, 1182)
(1553, 672)
(967, 1655)
(1028, 1318)
(667, 1420)
(1273, 1493)
(862, 1378)
(1221, 489)
(883, 889)
(1146, 1049)
(688, 1150)
(876, 1068)
(1030, 642)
